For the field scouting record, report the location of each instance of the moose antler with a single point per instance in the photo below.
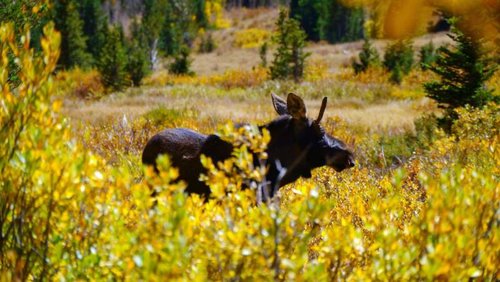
(321, 110)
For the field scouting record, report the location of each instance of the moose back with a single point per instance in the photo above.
(298, 145)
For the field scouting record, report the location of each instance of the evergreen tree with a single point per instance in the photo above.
(171, 34)
(427, 55)
(180, 29)
(290, 56)
(263, 54)
(95, 24)
(153, 20)
(182, 63)
(169, 24)
(138, 63)
(345, 24)
(182, 21)
(367, 57)
(398, 59)
(199, 12)
(354, 28)
(207, 44)
(397, 74)
(463, 72)
(113, 61)
(306, 12)
(73, 41)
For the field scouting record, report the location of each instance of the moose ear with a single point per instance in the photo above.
(295, 106)
(279, 105)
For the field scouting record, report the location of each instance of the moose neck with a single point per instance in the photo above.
(286, 163)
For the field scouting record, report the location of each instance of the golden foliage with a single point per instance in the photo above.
(80, 83)
(403, 19)
(214, 10)
(251, 38)
(316, 70)
(239, 78)
(379, 76)
(371, 75)
(67, 215)
(227, 80)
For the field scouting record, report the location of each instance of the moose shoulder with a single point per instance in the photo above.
(297, 146)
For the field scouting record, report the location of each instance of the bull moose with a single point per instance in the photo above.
(297, 145)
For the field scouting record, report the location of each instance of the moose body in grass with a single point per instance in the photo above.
(297, 145)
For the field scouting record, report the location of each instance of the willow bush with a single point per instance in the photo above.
(66, 214)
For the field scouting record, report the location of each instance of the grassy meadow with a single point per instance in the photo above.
(420, 204)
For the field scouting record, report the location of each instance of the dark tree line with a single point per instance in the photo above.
(255, 3)
(328, 20)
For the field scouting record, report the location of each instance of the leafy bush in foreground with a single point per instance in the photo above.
(67, 215)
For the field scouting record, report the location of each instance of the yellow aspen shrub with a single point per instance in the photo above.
(214, 10)
(251, 38)
(85, 84)
(316, 70)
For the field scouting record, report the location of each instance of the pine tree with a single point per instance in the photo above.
(207, 43)
(95, 24)
(397, 74)
(263, 54)
(182, 63)
(463, 71)
(171, 35)
(306, 12)
(368, 56)
(345, 24)
(290, 56)
(113, 61)
(354, 28)
(199, 13)
(427, 55)
(153, 21)
(398, 59)
(73, 41)
(138, 63)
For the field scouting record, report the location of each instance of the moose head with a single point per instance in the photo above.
(297, 146)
